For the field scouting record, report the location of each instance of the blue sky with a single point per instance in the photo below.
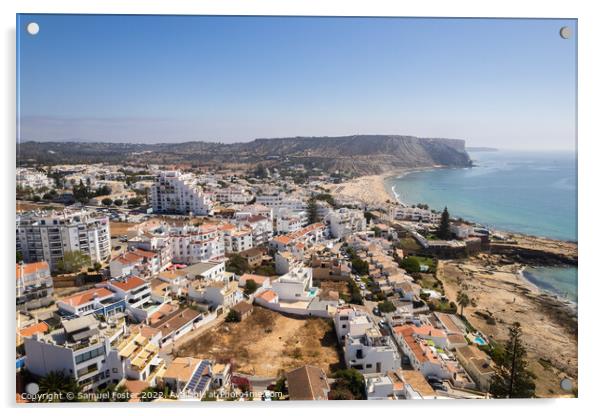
(501, 83)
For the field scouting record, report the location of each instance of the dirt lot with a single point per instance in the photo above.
(267, 343)
(29, 206)
(120, 228)
(337, 286)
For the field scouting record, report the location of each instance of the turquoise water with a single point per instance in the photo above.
(558, 280)
(479, 340)
(528, 192)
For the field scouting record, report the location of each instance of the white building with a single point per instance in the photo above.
(343, 222)
(34, 285)
(196, 244)
(175, 192)
(236, 240)
(133, 289)
(415, 214)
(261, 228)
(233, 195)
(82, 349)
(33, 179)
(288, 221)
(294, 285)
(48, 235)
(364, 347)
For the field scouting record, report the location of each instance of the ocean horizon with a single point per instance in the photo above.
(527, 192)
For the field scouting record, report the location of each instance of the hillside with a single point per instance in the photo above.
(355, 155)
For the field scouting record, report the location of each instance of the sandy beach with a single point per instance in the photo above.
(500, 292)
(368, 189)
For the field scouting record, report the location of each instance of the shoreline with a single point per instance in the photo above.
(503, 296)
(493, 229)
(379, 184)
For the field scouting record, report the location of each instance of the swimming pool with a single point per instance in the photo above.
(479, 340)
(313, 291)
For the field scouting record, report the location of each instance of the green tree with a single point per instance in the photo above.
(237, 264)
(107, 202)
(312, 210)
(73, 261)
(410, 264)
(19, 257)
(360, 266)
(250, 286)
(348, 385)
(233, 316)
(81, 192)
(103, 191)
(444, 232)
(97, 266)
(135, 202)
(118, 202)
(114, 393)
(57, 384)
(386, 306)
(512, 379)
(280, 386)
(463, 300)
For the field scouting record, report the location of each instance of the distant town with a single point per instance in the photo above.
(164, 282)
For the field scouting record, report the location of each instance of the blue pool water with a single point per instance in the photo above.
(479, 340)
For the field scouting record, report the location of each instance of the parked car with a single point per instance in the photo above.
(376, 311)
(434, 379)
(438, 386)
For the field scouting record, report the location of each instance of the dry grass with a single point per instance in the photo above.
(120, 228)
(338, 286)
(267, 343)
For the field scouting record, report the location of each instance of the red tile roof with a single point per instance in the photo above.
(87, 296)
(128, 284)
(40, 327)
(30, 268)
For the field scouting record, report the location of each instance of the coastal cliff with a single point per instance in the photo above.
(351, 155)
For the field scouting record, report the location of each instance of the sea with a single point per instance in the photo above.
(531, 192)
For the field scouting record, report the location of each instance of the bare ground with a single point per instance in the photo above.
(267, 343)
(549, 326)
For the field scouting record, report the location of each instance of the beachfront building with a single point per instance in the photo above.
(176, 192)
(477, 364)
(416, 214)
(48, 235)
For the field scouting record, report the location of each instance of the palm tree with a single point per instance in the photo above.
(57, 385)
(463, 300)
